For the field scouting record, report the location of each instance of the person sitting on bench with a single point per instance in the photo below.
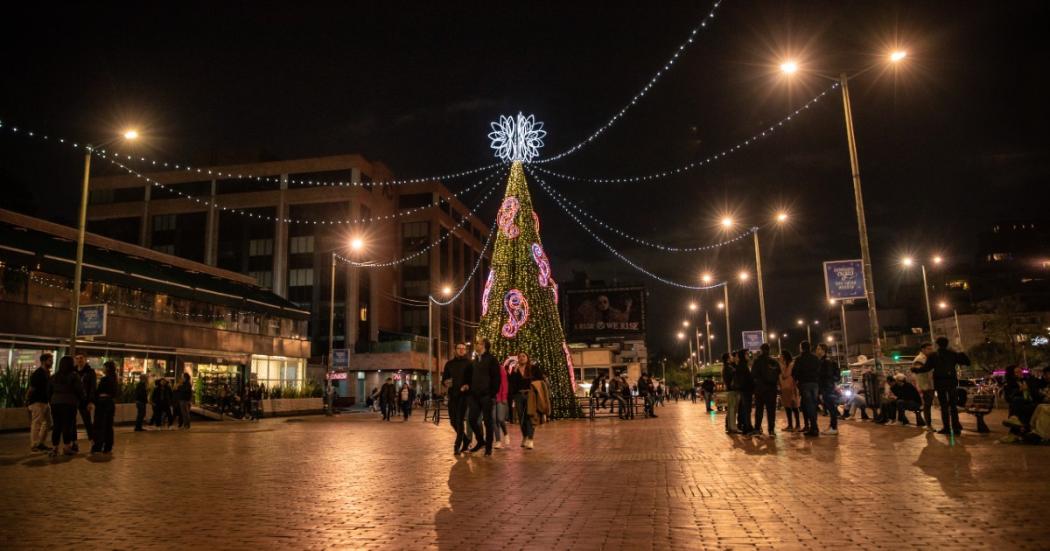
(908, 399)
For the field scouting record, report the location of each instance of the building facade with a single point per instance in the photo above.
(164, 315)
(271, 224)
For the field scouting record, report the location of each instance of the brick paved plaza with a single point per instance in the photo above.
(672, 482)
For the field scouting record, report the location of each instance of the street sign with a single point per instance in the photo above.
(340, 358)
(844, 279)
(338, 376)
(753, 340)
(91, 320)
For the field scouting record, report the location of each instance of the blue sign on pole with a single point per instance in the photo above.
(753, 340)
(91, 320)
(844, 279)
(340, 358)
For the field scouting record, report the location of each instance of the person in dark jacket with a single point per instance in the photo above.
(807, 374)
(765, 372)
(67, 392)
(908, 399)
(732, 395)
(708, 388)
(184, 395)
(86, 408)
(746, 387)
(519, 385)
(944, 364)
(648, 393)
(829, 378)
(105, 409)
(141, 397)
(387, 397)
(454, 377)
(484, 383)
(37, 402)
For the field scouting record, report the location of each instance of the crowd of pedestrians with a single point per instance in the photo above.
(809, 384)
(74, 394)
(484, 397)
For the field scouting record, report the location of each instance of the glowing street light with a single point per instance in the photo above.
(942, 305)
(681, 335)
(907, 261)
(727, 222)
(131, 134)
(693, 306)
(898, 56)
(721, 305)
(706, 278)
(685, 323)
(446, 290)
(356, 244)
(789, 67)
(782, 217)
(743, 276)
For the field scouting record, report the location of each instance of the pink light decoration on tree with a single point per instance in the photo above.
(517, 312)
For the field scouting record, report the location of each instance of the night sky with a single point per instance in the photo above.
(952, 140)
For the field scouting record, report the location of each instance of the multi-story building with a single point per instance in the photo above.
(271, 221)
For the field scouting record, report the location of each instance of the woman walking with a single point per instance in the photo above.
(105, 408)
(538, 407)
(66, 393)
(789, 397)
(501, 409)
(520, 386)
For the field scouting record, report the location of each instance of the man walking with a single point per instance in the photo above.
(387, 396)
(765, 371)
(39, 409)
(807, 375)
(708, 387)
(141, 396)
(829, 378)
(944, 363)
(746, 387)
(924, 382)
(484, 383)
(86, 408)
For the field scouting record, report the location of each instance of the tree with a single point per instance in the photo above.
(519, 305)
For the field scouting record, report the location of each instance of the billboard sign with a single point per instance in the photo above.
(753, 340)
(91, 320)
(340, 358)
(605, 311)
(844, 279)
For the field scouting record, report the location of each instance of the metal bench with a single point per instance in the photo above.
(981, 405)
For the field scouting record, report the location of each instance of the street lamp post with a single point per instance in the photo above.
(729, 335)
(445, 291)
(78, 268)
(845, 338)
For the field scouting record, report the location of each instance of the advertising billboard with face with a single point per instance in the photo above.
(606, 311)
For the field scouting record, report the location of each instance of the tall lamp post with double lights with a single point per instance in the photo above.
(781, 218)
(908, 262)
(85, 192)
(809, 335)
(896, 57)
(943, 305)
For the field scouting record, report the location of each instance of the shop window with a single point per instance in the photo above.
(303, 277)
(260, 247)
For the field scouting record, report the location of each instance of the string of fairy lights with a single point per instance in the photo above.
(244, 212)
(473, 272)
(614, 251)
(216, 173)
(658, 246)
(641, 93)
(757, 136)
(470, 213)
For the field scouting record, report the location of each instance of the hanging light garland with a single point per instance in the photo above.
(242, 212)
(613, 250)
(645, 89)
(665, 248)
(470, 213)
(481, 256)
(764, 133)
(183, 167)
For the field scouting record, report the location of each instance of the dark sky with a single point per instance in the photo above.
(954, 139)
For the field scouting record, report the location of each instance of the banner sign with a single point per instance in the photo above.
(340, 358)
(844, 279)
(609, 311)
(337, 376)
(91, 320)
(753, 340)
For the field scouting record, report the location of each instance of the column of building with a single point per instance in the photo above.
(280, 242)
(211, 232)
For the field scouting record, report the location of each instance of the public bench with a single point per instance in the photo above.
(980, 406)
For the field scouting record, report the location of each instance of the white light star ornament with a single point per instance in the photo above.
(517, 138)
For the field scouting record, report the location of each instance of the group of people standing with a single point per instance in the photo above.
(801, 383)
(169, 404)
(809, 382)
(389, 398)
(55, 400)
(483, 397)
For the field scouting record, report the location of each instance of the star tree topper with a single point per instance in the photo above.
(517, 138)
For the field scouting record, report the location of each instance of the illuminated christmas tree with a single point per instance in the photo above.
(519, 305)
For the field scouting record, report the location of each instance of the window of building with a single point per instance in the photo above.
(364, 313)
(303, 277)
(301, 245)
(260, 247)
(166, 249)
(265, 279)
(416, 289)
(164, 222)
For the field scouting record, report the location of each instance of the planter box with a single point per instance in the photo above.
(14, 419)
(292, 406)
